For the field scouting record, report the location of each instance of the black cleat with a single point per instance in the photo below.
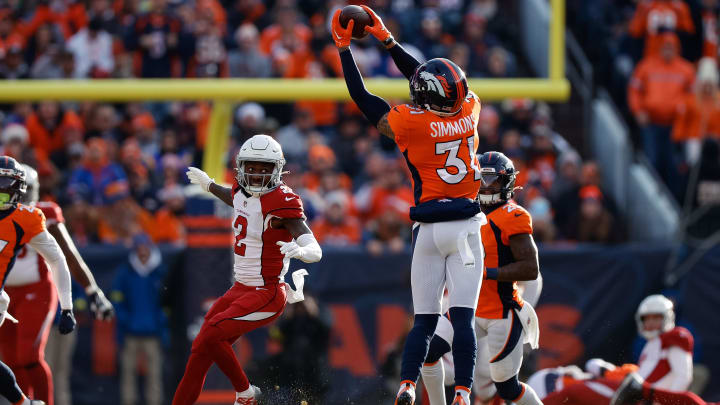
(629, 391)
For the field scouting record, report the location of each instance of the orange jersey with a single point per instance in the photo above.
(653, 16)
(17, 227)
(440, 151)
(497, 297)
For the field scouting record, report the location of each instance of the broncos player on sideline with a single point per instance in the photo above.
(437, 136)
(22, 225)
(33, 300)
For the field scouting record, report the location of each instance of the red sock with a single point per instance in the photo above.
(671, 398)
(42, 384)
(193, 380)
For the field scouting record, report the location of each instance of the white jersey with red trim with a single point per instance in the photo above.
(258, 260)
(666, 361)
(29, 266)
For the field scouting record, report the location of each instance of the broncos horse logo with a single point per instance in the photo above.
(437, 84)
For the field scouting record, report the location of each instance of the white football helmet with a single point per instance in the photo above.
(32, 195)
(655, 305)
(260, 148)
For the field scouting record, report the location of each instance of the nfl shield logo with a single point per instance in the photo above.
(244, 203)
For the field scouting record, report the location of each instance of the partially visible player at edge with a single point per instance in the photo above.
(503, 320)
(270, 229)
(437, 135)
(21, 225)
(34, 301)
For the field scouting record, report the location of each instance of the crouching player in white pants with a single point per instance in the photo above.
(503, 321)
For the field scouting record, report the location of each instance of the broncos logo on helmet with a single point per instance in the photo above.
(439, 86)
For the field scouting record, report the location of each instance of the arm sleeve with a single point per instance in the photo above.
(312, 251)
(48, 248)
(372, 106)
(404, 61)
(681, 368)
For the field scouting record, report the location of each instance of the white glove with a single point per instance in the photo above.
(297, 295)
(4, 304)
(197, 176)
(291, 249)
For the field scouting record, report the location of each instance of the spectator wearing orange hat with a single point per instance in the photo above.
(654, 17)
(144, 132)
(322, 159)
(699, 115)
(47, 124)
(658, 84)
(594, 223)
(336, 227)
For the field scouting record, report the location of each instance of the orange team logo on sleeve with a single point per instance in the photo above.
(440, 151)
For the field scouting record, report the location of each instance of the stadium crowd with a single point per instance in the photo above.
(119, 168)
(659, 59)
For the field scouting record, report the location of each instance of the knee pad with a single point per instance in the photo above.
(509, 390)
(438, 347)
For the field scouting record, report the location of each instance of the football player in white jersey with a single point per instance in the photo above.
(270, 229)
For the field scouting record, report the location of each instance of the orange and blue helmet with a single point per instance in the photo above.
(439, 86)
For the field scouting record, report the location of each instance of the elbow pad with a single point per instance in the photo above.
(311, 251)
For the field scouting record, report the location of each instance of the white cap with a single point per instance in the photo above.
(253, 110)
(15, 132)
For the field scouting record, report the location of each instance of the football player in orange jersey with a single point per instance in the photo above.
(503, 320)
(21, 225)
(437, 136)
(33, 298)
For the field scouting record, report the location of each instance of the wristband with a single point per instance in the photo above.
(388, 41)
(491, 273)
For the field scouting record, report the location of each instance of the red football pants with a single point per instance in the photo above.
(241, 309)
(592, 392)
(23, 344)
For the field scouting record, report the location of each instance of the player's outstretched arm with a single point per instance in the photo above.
(199, 177)
(403, 60)
(99, 305)
(372, 106)
(305, 247)
(49, 249)
(526, 265)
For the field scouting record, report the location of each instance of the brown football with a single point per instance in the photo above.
(361, 17)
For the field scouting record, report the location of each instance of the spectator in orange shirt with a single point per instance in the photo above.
(654, 17)
(275, 37)
(47, 124)
(699, 115)
(168, 228)
(657, 85)
(389, 193)
(335, 227)
(322, 159)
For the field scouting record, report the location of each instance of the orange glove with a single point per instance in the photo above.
(377, 29)
(341, 36)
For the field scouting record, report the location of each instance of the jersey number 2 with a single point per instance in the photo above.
(451, 148)
(241, 226)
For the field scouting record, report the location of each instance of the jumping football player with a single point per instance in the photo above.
(437, 135)
(33, 299)
(501, 318)
(270, 229)
(21, 225)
